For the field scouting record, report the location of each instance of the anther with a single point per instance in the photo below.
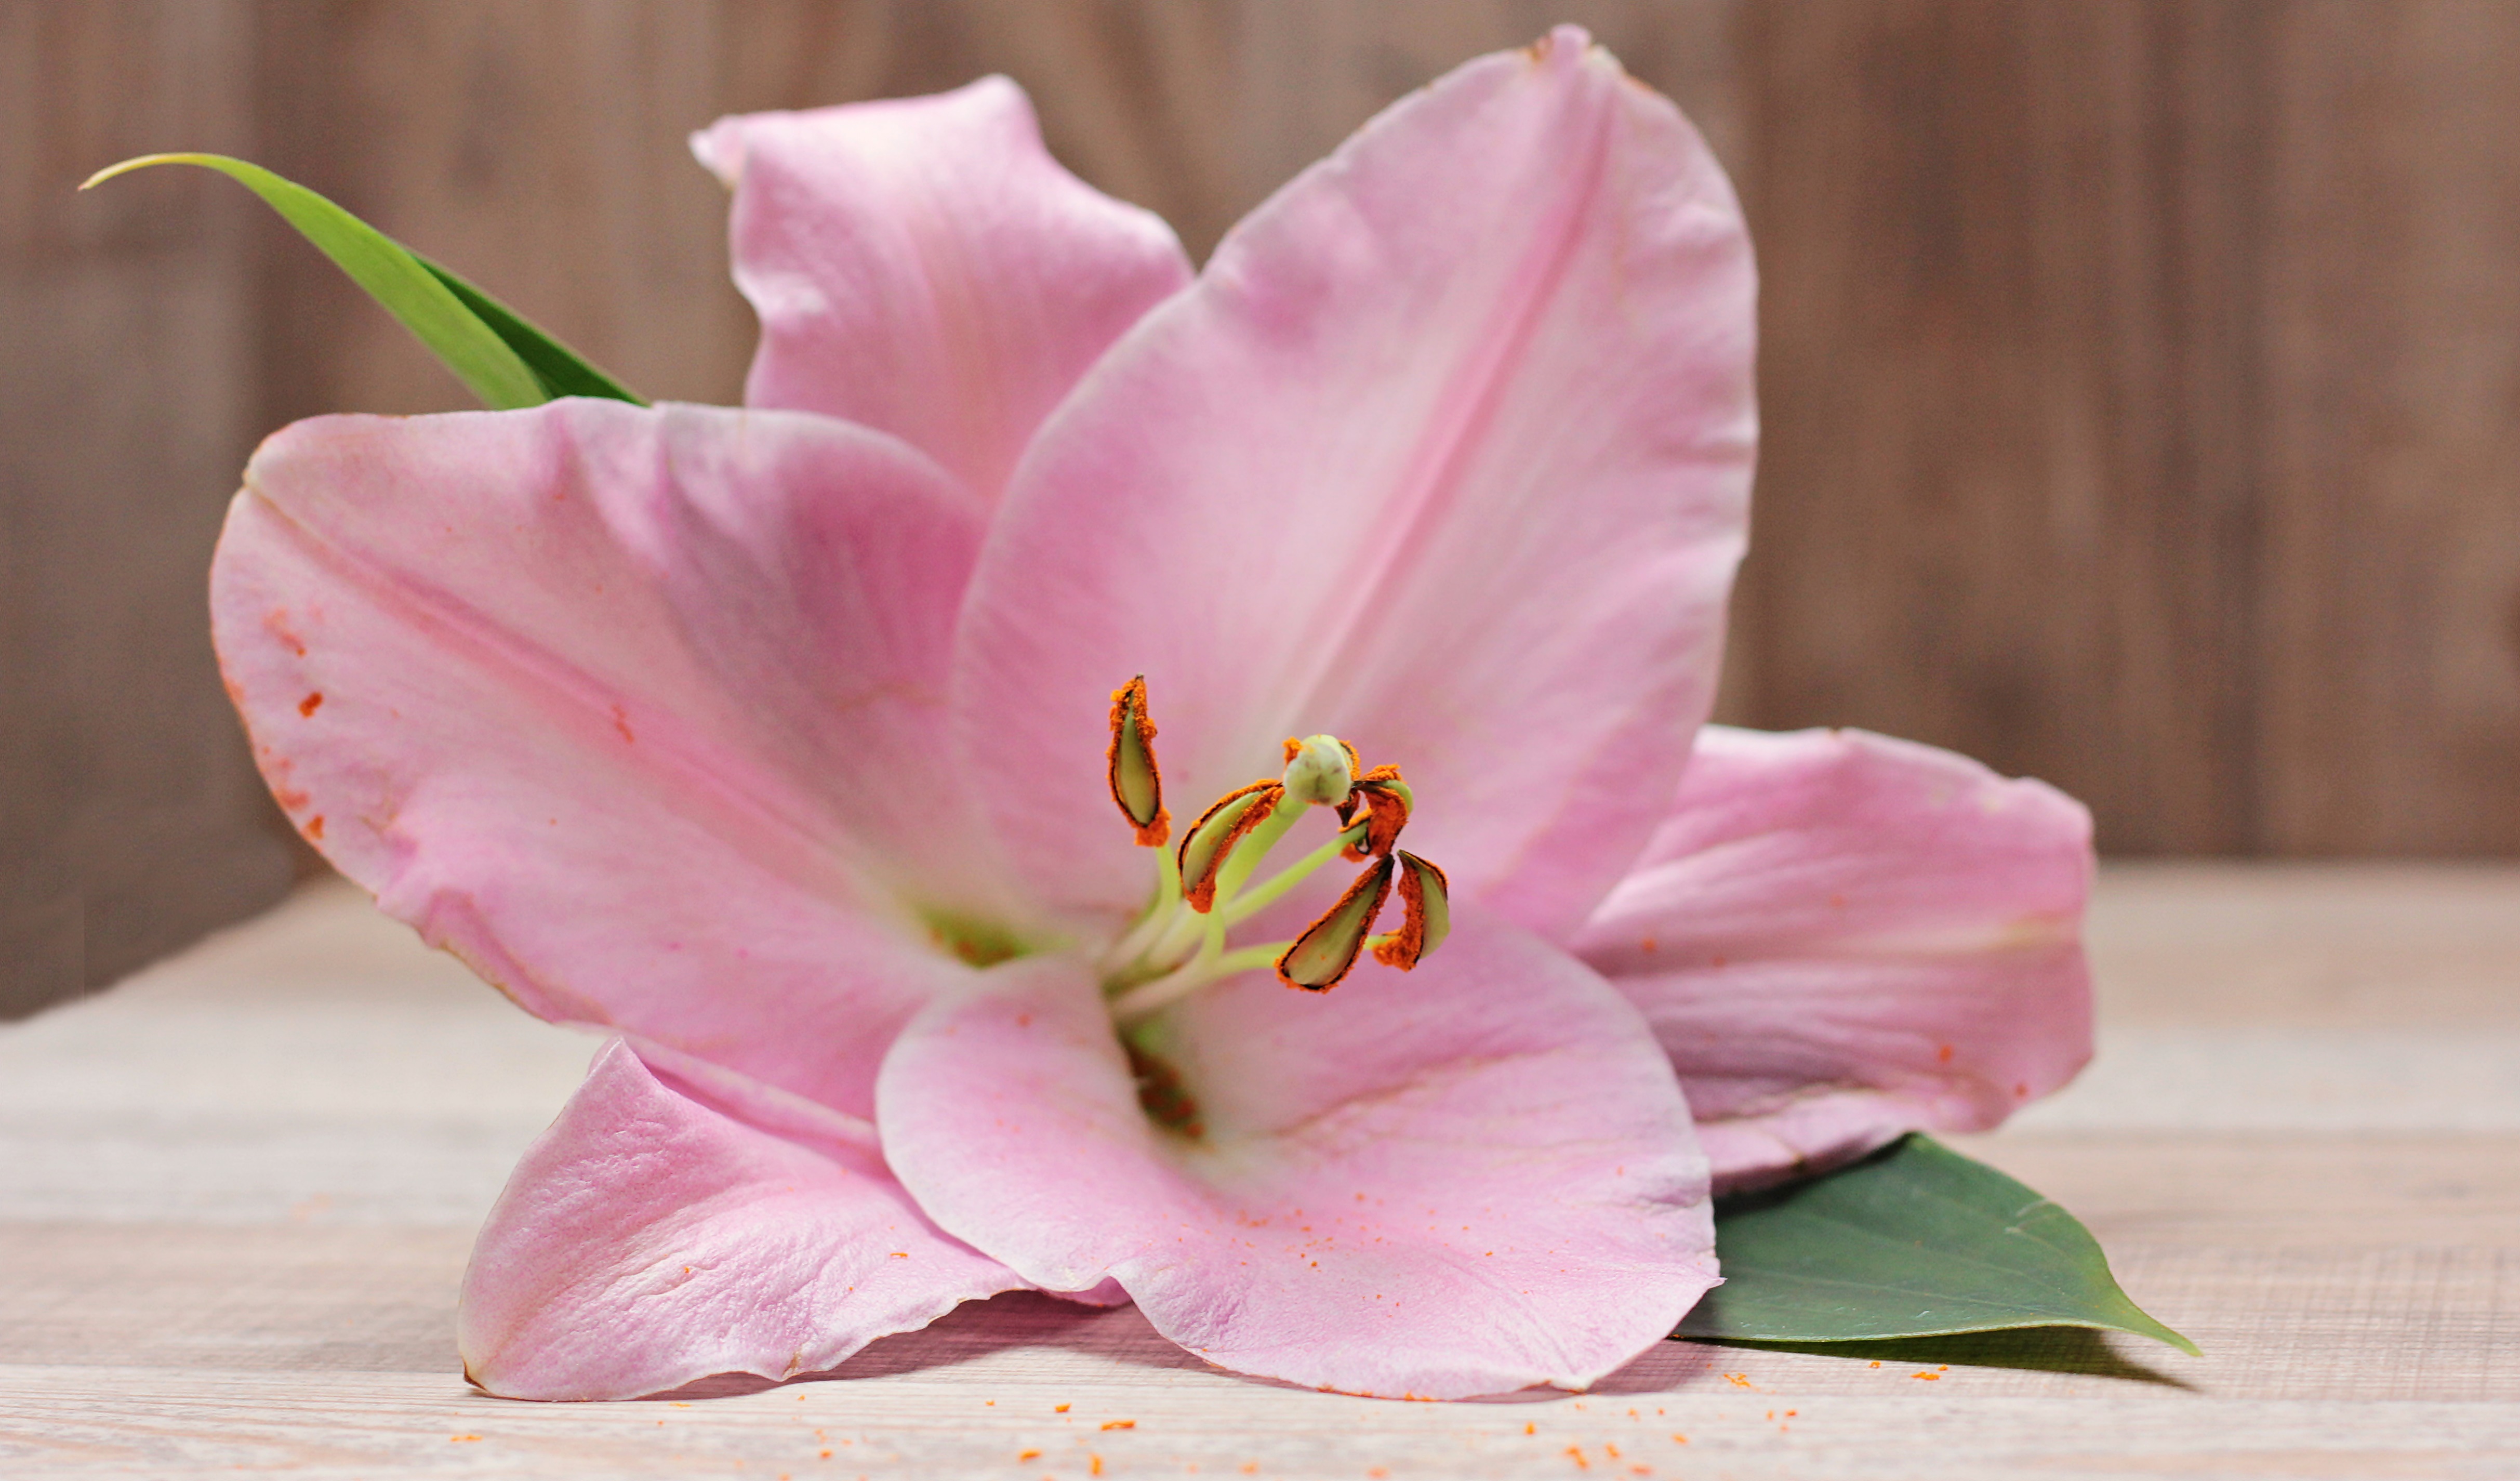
(1328, 948)
(1427, 902)
(1387, 800)
(1135, 784)
(1210, 844)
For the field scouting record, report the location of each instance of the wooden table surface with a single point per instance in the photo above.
(236, 1194)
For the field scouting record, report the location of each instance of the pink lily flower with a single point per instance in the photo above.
(781, 744)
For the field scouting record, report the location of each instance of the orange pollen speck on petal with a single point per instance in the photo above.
(311, 703)
(277, 623)
(315, 826)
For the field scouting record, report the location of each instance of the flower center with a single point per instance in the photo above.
(1206, 885)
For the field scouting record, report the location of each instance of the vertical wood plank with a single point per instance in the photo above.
(130, 820)
(2006, 502)
(2392, 681)
(539, 149)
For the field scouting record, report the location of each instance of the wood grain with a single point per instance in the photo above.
(2139, 383)
(207, 1274)
(2007, 501)
(2392, 534)
(130, 820)
(2138, 378)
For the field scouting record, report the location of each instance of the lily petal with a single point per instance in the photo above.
(1469, 1178)
(922, 265)
(646, 1241)
(633, 710)
(1841, 937)
(1447, 453)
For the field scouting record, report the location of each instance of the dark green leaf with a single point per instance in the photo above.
(562, 371)
(1915, 1241)
(506, 361)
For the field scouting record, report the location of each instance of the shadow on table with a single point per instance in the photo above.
(1002, 1323)
(978, 1330)
(2042, 1349)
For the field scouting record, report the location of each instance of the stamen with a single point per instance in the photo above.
(1387, 801)
(1136, 786)
(1204, 887)
(1328, 948)
(1210, 844)
(1252, 902)
(1427, 900)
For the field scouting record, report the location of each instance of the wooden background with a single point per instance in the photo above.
(2141, 376)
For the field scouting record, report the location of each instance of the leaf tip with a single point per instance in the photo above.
(127, 166)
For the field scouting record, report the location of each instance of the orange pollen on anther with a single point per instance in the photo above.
(1352, 915)
(1133, 738)
(1386, 813)
(1409, 943)
(1200, 891)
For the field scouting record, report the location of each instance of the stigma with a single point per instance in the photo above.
(1207, 882)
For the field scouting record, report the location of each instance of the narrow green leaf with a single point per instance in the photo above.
(562, 371)
(430, 309)
(1914, 1242)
